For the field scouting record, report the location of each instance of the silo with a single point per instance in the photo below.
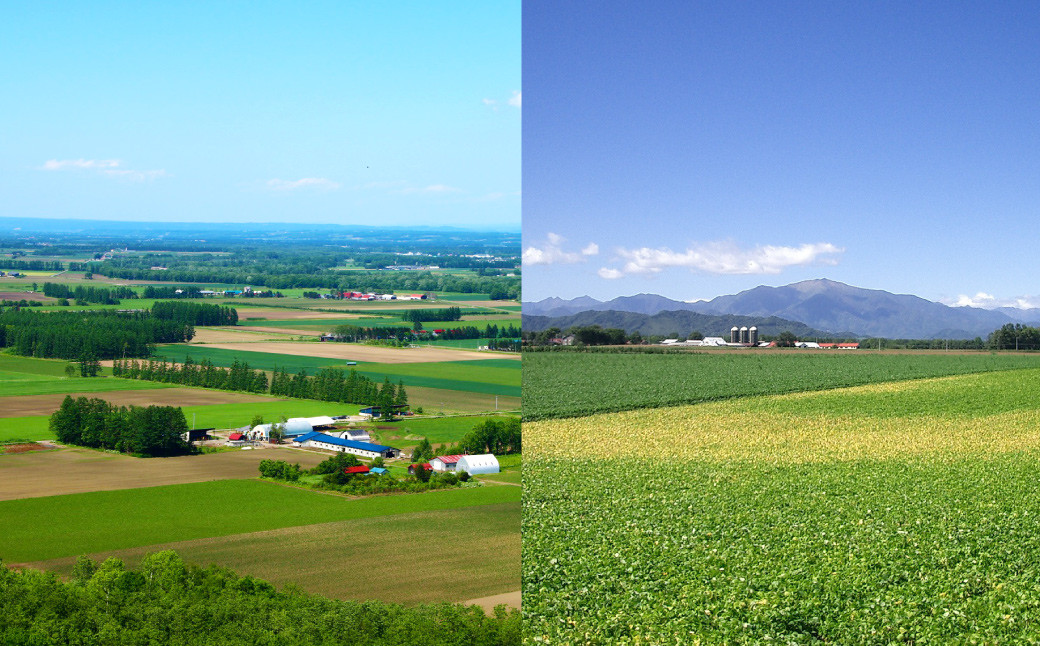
(743, 334)
(753, 335)
(734, 334)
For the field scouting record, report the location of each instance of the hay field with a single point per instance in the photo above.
(79, 470)
(409, 558)
(356, 352)
(30, 405)
(237, 335)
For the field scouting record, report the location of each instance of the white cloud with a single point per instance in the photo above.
(109, 167)
(515, 99)
(318, 183)
(986, 301)
(610, 274)
(723, 258)
(90, 164)
(489, 102)
(552, 252)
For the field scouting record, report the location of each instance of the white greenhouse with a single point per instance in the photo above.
(476, 464)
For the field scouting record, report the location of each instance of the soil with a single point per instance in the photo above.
(46, 404)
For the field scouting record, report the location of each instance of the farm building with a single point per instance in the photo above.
(292, 427)
(356, 434)
(356, 471)
(196, 434)
(445, 462)
(330, 443)
(425, 465)
(474, 464)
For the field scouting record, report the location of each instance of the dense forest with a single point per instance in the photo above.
(167, 601)
(94, 334)
(1015, 336)
(151, 430)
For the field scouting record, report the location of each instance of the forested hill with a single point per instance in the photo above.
(673, 323)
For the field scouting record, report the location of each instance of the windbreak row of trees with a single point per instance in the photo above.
(31, 265)
(89, 294)
(330, 384)
(1015, 336)
(97, 334)
(198, 314)
(150, 430)
(501, 437)
(453, 313)
(167, 601)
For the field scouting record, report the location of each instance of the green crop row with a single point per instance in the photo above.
(573, 384)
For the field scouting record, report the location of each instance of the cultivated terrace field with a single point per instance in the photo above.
(894, 511)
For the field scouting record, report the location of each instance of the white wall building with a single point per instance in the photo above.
(475, 464)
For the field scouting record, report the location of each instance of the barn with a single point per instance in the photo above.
(330, 443)
(445, 462)
(476, 464)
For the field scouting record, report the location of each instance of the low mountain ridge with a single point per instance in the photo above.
(828, 306)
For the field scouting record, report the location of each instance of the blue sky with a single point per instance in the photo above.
(698, 149)
(397, 113)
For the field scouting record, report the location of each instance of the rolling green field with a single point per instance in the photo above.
(892, 512)
(25, 428)
(439, 430)
(109, 520)
(490, 376)
(562, 384)
(236, 415)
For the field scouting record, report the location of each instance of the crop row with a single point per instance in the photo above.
(572, 384)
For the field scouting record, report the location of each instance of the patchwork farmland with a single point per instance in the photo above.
(894, 511)
(212, 508)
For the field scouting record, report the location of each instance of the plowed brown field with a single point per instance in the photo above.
(77, 470)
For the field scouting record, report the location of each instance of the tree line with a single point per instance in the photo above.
(89, 294)
(497, 436)
(453, 313)
(96, 334)
(167, 601)
(95, 423)
(197, 314)
(330, 384)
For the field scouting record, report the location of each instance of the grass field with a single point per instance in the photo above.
(404, 557)
(439, 430)
(236, 415)
(900, 512)
(25, 428)
(109, 520)
(572, 383)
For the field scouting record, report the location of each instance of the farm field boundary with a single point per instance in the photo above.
(571, 384)
(99, 521)
(416, 555)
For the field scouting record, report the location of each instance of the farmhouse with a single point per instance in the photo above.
(330, 443)
(445, 462)
(475, 464)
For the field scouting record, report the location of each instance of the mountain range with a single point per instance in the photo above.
(827, 306)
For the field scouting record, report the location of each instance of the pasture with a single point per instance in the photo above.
(563, 384)
(314, 557)
(110, 520)
(904, 511)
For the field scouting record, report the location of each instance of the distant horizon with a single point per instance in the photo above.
(992, 306)
(503, 229)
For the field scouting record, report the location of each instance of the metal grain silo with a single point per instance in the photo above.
(734, 334)
(753, 335)
(743, 334)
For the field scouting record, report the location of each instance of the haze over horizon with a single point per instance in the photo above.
(405, 114)
(694, 150)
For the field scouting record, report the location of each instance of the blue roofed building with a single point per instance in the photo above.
(319, 440)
